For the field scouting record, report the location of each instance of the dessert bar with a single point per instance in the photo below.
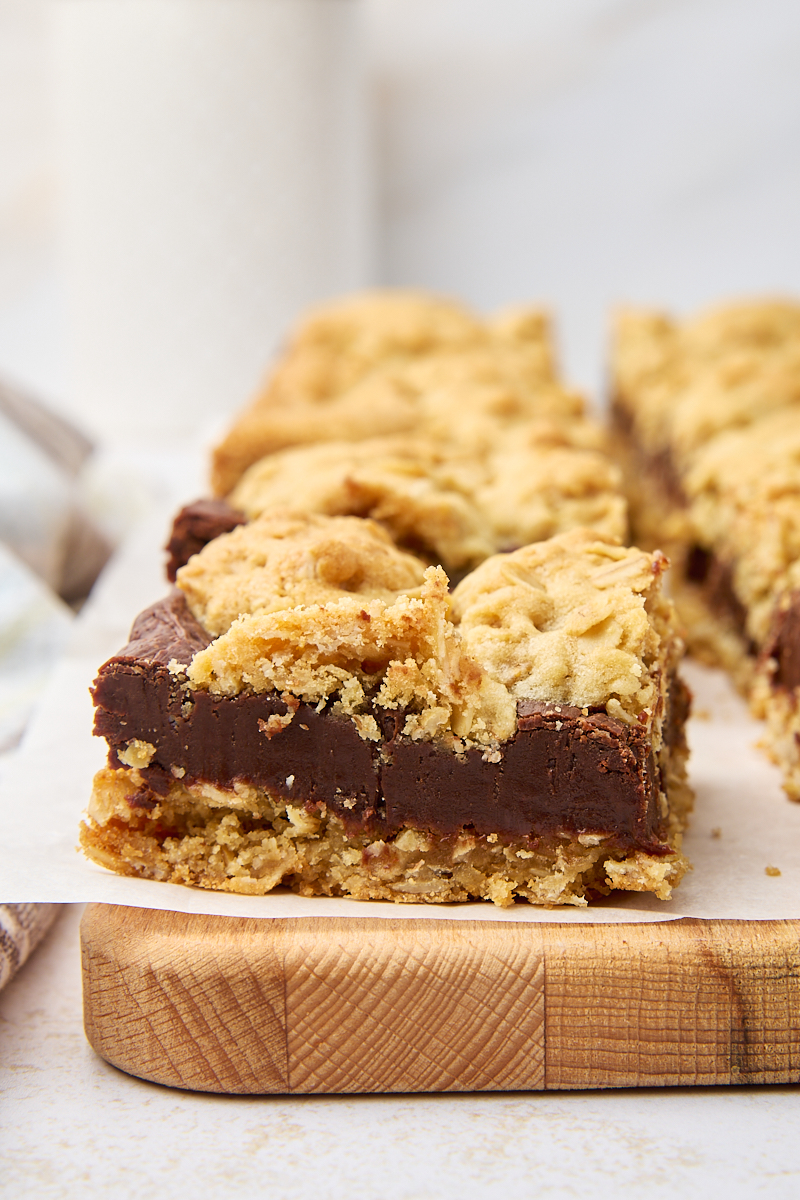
(707, 419)
(312, 707)
(454, 433)
(385, 363)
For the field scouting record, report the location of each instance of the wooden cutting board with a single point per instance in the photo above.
(327, 1005)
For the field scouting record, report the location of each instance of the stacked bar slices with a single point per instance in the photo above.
(455, 434)
(316, 705)
(707, 416)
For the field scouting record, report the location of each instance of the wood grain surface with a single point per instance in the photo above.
(324, 1005)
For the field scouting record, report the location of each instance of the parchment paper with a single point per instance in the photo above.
(742, 823)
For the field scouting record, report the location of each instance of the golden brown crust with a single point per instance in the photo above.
(408, 650)
(455, 506)
(283, 560)
(684, 383)
(712, 413)
(577, 619)
(249, 842)
(397, 362)
(421, 492)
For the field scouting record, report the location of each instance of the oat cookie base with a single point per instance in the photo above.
(249, 842)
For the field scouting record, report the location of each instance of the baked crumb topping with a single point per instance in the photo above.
(578, 619)
(685, 382)
(406, 654)
(422, 494)
(447, 504)
(280, 561)
(718, 397)
(400, 362)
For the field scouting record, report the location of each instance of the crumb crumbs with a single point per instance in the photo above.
(275, 724)
(772, 870)
(137, 753)
(491, 837)
(290, 781)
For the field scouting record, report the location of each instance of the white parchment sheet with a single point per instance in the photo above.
(742, 823)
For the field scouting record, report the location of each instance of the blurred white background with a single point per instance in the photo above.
(582, 152)
(590, 151)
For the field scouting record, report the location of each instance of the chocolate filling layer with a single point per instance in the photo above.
(563, 772)
(701, 566)
(659, 467)
(783, 645)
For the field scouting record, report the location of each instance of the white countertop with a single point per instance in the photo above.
(74, 1126)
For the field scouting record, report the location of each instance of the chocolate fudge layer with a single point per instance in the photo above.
(707, 419)
(406, 762)
(562, 770)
